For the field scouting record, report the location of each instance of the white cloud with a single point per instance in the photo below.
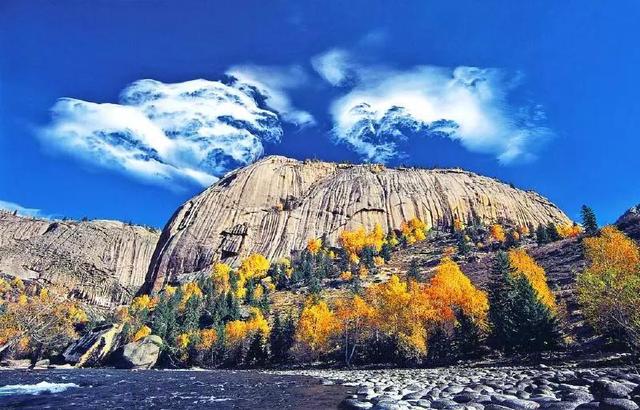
(271, 82)
(384, 108)
(174, 133)
(20, 210)
(335, 66)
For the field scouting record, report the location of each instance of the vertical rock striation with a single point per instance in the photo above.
(277, 204)
(101, 262)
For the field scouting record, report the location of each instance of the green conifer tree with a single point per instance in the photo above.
(552, 232)
(541, 235)
(414, 272)
(589, 222)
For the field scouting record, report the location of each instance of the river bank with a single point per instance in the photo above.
(488, 388)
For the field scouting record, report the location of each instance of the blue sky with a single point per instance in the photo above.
(125, 109)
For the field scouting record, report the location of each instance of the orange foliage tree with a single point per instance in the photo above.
(497, 233)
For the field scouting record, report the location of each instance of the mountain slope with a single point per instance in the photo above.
(277, 204)
(101, 262)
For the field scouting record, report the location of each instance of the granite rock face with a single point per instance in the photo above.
(629, 222)
(100, 262)
(277, 204)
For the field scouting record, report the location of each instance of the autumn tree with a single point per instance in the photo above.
(589, 221)
(317, 327)
(403, 315)
(609, 289)
(524, 265)
(569, 230)
(37, 322)
(497, 233)
(356, 320)
(450, 290)
(414, 230)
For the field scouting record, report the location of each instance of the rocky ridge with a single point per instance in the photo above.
(277, 204)
(100, 262)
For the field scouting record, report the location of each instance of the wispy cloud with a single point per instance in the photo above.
(188, 132)
(335, 66)
(272, 82)
(384, 107)
(20, 210)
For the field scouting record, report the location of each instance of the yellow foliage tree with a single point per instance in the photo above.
(525, 265)
(239, 332)
(220, 277)
(142, 302)
(208, 338)
(414, 230)
(450, 288)
(356, 318)
(569, 230)
(353, 242)
(143, 332)
(402, 311)
(253, 266)
(609, 289)
(316, 329)
(189, 290)
(38, 323)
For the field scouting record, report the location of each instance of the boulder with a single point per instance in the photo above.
(142, 354)
(17, 363)
(94, 347)
(603, 388)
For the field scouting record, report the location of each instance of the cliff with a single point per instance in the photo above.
(101, 262)
(277, 204)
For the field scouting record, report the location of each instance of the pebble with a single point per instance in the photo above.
(499, 388)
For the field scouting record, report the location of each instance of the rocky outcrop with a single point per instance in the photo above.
(277, 204)
(94, 346)
(629, 222)
(101, 262)
(142, 354)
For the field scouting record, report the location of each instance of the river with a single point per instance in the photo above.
(163, 389)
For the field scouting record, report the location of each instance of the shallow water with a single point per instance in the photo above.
(163, 389)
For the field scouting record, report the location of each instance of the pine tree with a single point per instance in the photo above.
(257, 354)
(512, 240)
(541, 235)
(281, 338)
(552, 232)
(462, 243)
(537, 327)
(519, 320)
(500, 300)
(467, 336)
(589, 221)
(385, 252)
